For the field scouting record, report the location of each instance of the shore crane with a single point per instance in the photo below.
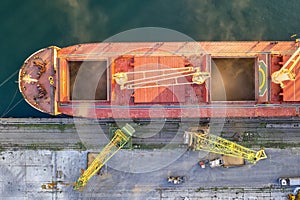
(120, 138)
(200, 139)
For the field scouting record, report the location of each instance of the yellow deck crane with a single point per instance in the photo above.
(120, 138)
(160, 77)
(200, 139)
(286, 72)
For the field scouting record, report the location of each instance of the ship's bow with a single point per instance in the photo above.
(38, 80)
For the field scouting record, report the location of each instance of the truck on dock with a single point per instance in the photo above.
(227, 161)
(294, 181)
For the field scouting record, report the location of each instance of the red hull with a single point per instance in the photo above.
(80, 80)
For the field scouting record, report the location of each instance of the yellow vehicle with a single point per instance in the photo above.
(295, 195)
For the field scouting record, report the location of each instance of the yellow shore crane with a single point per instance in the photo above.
(120, 138)
(200, 139)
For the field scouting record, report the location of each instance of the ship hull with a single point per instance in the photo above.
(145, 80)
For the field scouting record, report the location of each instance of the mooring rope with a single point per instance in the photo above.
(12, 107)
(13, 98)
(9, 78)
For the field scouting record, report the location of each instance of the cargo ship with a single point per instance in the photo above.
(142, 80)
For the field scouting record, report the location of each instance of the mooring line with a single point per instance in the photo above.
(13, 98)
(12, 107)
(9, 78)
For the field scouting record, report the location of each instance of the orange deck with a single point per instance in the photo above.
(158, 94)
(291, 91)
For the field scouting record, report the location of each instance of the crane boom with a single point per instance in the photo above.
(286, 72)
(211, 143)
(160, 77)
(120, 138)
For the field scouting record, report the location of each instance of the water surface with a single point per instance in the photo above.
(26, 26)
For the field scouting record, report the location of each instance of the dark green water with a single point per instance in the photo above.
(26, 26)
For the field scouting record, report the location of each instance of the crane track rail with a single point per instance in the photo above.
(28, 132)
